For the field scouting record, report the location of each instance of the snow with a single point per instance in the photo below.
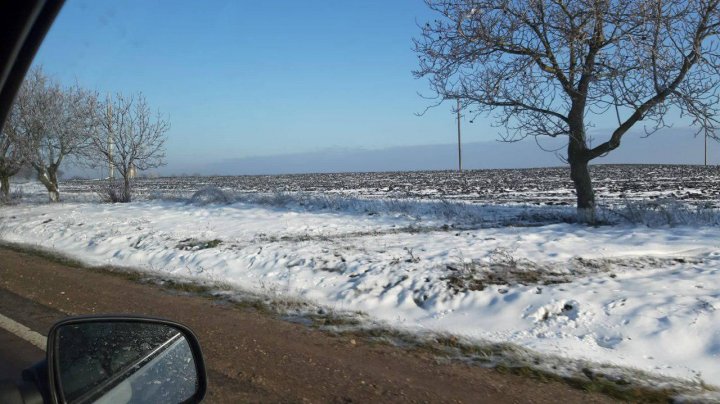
(624, 295)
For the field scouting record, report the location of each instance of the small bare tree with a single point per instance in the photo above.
(129, 138)
(549, 67)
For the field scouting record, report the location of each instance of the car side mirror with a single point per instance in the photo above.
(113, 359)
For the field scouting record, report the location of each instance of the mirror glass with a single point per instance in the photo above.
(124, 362)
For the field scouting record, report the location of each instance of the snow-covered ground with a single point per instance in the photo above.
(626, 295)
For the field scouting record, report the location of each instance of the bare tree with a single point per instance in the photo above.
(556, 67)
(54, 123)
(129, 138)
(35, 109)
(11, 154)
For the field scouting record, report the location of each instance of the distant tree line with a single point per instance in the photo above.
(51, 124)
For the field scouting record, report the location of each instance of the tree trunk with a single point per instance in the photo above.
(580, 176)
(579, 157)
(54, 195)
(5, 188)
(48, 177)
(126, 189)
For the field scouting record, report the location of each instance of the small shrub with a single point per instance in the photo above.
(112, 192)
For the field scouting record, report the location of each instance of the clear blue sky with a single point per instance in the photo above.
(240, 78)
(244, 78)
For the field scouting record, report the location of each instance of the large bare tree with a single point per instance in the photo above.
(556, 67)
(55, 123)
(130, 138)
(35, 107)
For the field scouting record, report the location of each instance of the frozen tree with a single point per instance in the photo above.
(129, 138)
(54, 123)
(556, 67)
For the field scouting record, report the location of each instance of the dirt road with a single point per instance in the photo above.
(254, 357)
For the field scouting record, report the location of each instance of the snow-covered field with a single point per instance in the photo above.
(627, 294)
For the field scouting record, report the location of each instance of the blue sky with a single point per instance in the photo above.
(240, 79)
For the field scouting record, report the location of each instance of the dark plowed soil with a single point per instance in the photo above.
(542, 186)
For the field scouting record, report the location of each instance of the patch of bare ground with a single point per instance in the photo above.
(503, 269)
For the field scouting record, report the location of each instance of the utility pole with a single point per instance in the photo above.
(706, 149)
(111, 168)
(459, 141)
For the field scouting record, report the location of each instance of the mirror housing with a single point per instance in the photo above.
(124, 358)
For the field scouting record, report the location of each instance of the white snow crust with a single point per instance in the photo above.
(626, 295)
